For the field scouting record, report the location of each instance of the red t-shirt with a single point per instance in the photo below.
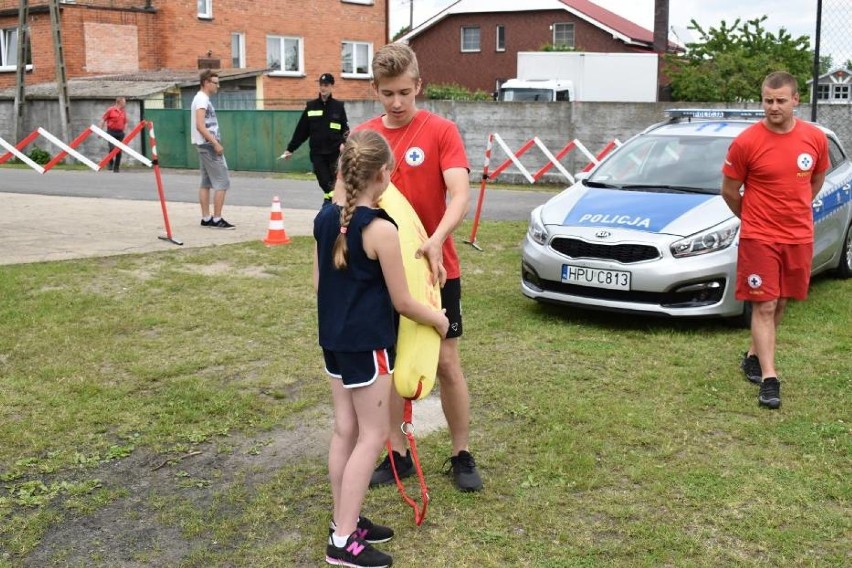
(115, 118)
(423, 150)
(776, 170)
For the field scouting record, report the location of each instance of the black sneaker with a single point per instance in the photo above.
(751, 367)
(465, 474)
(369, 531)
(357, 553)
(770, 393)
(207, 223)
(222, 224)
(383, 474)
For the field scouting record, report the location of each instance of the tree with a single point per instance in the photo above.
(402, 31)
(729, 63)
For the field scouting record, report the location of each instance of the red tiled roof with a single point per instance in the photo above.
(611, 20)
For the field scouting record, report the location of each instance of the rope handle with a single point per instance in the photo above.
(407, 428)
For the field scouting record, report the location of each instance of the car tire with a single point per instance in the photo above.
(844, 267)
(742, 321)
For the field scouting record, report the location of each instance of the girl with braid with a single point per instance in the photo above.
(360, 283)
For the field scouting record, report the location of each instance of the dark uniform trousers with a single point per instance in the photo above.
(325, 168)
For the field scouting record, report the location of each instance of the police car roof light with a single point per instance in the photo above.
(675, 113)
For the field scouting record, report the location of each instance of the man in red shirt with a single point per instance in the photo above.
(115, 121)
(782, 162)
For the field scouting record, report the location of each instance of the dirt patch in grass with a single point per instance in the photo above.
(134, 529)
(130, 532)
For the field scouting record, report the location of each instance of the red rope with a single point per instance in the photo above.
(408, 429)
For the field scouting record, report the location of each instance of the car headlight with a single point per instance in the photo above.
(711, 240)
(536, 230)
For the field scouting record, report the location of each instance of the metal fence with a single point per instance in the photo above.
(252, 139)
(832, 93)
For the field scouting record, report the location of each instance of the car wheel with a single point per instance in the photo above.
(844, 267)
(743, 320)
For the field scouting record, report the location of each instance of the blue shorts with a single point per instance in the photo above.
(360, 368)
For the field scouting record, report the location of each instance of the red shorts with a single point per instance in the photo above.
(768, 271)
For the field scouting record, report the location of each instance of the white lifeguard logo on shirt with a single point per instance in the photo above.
(805, 162)
(414, 156)
(754, 281)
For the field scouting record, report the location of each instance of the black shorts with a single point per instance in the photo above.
(360, 368)
(451, 301)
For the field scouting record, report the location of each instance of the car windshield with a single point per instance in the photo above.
(526, 95)
(665, 163)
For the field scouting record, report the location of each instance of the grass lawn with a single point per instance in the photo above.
(170, 409)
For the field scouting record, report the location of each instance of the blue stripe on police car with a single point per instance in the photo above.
(640, 211)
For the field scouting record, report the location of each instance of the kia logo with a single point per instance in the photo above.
(603, 234)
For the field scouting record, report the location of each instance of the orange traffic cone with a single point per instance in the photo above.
(276, 234)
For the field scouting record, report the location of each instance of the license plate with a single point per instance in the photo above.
(596, 277)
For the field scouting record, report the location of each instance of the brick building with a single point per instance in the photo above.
(273, 49)
(475, 43)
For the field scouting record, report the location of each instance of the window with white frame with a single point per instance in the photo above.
(841, 92)
(501, 37)
(355, 58)
(205, 9)
(823, 92)
(285, 55)
(9, 50)
(563, 35)
(238, 50)
(470, 38)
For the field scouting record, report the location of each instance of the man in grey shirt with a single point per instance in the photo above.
(204, 133)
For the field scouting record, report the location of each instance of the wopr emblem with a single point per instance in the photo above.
(805, 162)
(415, 156)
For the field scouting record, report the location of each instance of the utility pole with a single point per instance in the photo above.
(410, 15)
(61, 78)
(21, 72)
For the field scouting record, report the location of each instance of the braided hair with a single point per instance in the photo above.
(363, 156)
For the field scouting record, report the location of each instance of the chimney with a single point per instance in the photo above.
(661, 45)
(661, 26)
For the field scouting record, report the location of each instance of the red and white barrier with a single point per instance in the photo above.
(514, 159)
(70, 149)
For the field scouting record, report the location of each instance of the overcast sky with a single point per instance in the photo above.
(798, 17)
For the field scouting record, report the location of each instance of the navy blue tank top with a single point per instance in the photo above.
(354, 306)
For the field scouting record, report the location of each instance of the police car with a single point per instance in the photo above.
(648, 232)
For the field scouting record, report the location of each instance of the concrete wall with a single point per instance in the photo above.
(594, 124)
(555, 124)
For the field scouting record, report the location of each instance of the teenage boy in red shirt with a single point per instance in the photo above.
(432, 173)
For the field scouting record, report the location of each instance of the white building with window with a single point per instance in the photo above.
(834, 87)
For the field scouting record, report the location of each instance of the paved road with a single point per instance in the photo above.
(75, 214)
(246, 189)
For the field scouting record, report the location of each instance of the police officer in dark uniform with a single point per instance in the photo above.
(324, 122)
